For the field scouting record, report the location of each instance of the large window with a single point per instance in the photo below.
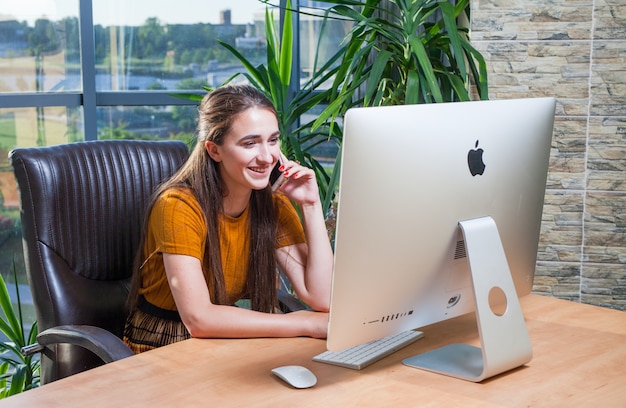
(73, 70)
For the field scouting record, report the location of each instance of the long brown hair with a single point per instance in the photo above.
(201, 175)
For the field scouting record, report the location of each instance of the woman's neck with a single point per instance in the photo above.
(235, 204)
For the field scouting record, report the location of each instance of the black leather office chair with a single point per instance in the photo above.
(82, 210)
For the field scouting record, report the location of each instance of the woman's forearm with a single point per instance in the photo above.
(233, 322)
(319, 261)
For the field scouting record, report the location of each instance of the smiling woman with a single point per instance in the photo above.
(216, 232)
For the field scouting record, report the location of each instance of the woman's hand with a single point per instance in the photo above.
(300, 185)
(316, 323)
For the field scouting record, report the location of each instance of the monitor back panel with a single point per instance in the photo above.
(405, 185)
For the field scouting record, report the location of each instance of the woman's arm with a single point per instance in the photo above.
(204, 319)
(308, 266)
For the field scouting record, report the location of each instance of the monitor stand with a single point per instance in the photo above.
(503, 336)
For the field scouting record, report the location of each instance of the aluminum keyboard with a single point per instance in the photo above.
(359, 357)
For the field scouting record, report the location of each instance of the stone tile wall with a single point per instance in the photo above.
(574, 50)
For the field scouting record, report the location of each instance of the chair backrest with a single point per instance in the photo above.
(82, 207)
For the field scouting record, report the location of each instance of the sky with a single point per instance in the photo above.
(134, 12)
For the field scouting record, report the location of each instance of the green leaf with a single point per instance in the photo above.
(459, 87)
(11, 326)
(10, 349)
(375, 74)
(271, 39)
(431, 85)
(188, 96)
(18, 380)
(286, 46)
(479, 72)
(32, 335)
(412, 88)
(252, 70)
(449, 19)
(333, 183)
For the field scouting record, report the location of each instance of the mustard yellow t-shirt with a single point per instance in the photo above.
(177, 226)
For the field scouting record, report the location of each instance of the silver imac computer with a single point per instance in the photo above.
(439, 215)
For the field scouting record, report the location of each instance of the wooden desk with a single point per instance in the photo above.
(579, 360)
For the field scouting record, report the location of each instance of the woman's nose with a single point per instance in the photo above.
(265, 154)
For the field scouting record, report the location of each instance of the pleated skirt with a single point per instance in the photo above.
(146, 331)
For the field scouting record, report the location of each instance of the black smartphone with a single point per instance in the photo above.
(276, 176)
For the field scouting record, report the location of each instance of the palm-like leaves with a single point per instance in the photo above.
(17, 372)
(404, 51)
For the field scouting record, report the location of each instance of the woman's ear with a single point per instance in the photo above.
(213, 150)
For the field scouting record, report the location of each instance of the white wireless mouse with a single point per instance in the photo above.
(296, 376)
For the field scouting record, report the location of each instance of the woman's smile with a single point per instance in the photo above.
(261, 172)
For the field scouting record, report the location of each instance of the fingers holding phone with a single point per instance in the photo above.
(294, 180)
(277, 177)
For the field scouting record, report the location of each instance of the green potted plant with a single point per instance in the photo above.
(404, 52)
(18, 373)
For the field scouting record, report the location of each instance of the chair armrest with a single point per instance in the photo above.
(102, 343)
(289, 303)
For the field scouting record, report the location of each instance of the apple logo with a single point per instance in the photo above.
(475, 161)
(453, 300)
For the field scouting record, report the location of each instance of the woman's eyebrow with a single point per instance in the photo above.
(248, 137)
(257, 136)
